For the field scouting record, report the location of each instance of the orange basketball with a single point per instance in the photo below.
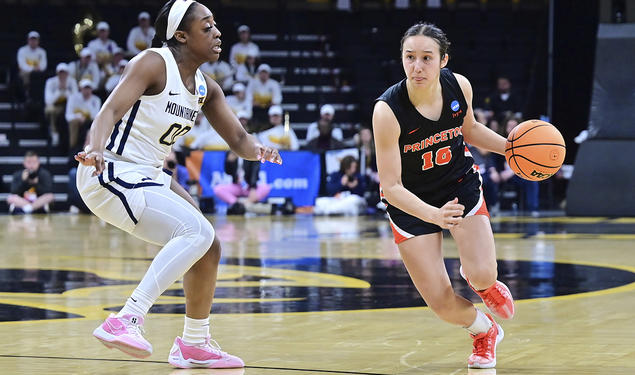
(535, 150)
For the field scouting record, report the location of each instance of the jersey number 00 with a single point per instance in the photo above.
(169, 137)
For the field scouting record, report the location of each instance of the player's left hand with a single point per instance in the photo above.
(269, 154)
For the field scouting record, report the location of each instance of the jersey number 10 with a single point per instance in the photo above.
(176, 130)
(442, 157)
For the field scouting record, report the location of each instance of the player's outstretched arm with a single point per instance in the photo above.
(474, 132)
(386, 131)
(227, 125)
(144, 72)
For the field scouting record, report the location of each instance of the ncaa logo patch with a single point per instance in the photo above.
(201, 90)
(455, 105)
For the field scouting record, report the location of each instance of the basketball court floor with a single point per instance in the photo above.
(320, 295)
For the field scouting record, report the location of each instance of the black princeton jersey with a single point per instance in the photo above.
(433, 154)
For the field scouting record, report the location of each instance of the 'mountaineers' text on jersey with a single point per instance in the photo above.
(146, 133)
(433, 153)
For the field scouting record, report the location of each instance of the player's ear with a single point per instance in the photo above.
(180, 36)
(444, 60)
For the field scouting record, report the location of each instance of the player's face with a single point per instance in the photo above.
(422, 60)
(203, 35)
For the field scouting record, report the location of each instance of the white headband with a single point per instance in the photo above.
(177, 11)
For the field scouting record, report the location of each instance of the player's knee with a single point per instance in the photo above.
(201, 237)
(207, 234)
(482, 277)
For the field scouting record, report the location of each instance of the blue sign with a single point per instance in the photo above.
(297, 178)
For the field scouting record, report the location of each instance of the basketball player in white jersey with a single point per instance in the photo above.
(121, 180)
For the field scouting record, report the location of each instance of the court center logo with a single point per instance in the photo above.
(281, 286)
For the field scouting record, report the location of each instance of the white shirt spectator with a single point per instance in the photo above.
(87, 70)
(140, 39)
(237, 104)
(221, 72)
(79, 108)
(239, 51)
(209, 140)
(313, 132)
(103, 49)
(245, 73)
(201, 125)
(276, 137)
(113, 80)
(264, 94)
(54, 93)
(31, 58)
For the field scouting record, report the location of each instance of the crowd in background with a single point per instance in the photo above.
(74, 95)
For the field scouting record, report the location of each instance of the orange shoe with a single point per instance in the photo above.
(484, 346)
(497, 298)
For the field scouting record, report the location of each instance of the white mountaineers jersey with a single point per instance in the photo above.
(146, 133)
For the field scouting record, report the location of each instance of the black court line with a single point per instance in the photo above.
(165, 363)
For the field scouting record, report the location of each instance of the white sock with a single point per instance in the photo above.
(27, 209)
(138, 303)
(195, 331)
(481, 324)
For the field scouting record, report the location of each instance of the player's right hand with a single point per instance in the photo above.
(450, 215)
(92, 158)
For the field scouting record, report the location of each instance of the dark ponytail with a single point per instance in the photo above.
(161, 25)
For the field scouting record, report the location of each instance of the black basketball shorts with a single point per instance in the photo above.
(468, 190)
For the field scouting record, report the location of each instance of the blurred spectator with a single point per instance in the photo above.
(368, 165)
(503, 101)
(346, 188)
(502, 177)
(112, 67)
(85, 68)
(347, 178)
(112, 82)
(221, 72)
(264, 92)
(75, 200)
(278, 135)
(201, 126)
(246, 71)
(212, 141)
(81, 109)
(31, 188)
(56, 93)
(243, 47)
(327, 113)
(140, 37)
(31, 58)
(102, 47)
(325, 140)
(244, 184)
(239, 101)
(178, 172)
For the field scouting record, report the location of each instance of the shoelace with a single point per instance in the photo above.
(483, 346)
(212, 344)
(136, 329)
(495, 297)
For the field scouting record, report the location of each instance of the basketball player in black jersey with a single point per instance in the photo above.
(429, 183)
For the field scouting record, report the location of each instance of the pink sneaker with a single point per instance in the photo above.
(203, 356)
(497, 298)
(125, 334)
(484, 347)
